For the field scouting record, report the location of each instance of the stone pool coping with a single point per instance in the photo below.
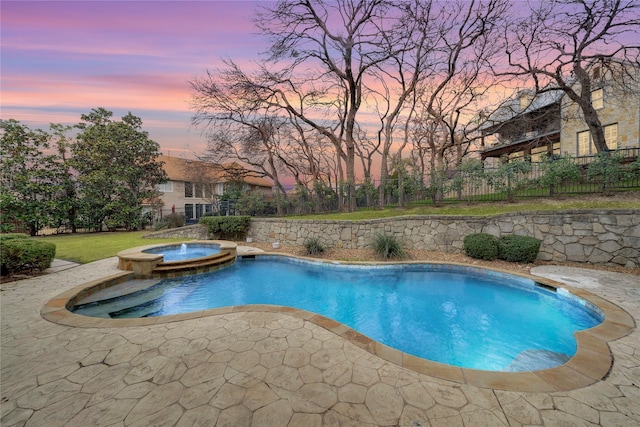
(144, 263)
(591, 362)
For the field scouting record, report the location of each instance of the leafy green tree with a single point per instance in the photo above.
(67, 205)
(251, 204)
(472, 176)
(605, 169)
(633, 169)
(325, 196)
(510, 177)
(29, 177)
(558, 170)
(366, 193)
(117, 169)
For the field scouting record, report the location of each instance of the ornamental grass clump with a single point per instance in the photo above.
(515, 248)
(388, 247)
(481, 246)
(313, 246)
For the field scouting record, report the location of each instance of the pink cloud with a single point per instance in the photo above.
(62, 58)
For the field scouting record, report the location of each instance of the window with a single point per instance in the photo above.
(196, 211)
(188, 211)
(611, 136)
(166, 187)
(525, 100)
(199, 189)
(597, 99)
(199, 210)
(188, 190)
(585, 142)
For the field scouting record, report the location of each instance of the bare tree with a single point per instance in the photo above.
(416, 37)
(334, 44)
(238, 126)
(568, 45)
(449, 98)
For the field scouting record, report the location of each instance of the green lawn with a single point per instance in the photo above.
(84, 248)
(479, 209)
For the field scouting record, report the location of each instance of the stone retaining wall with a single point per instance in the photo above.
(593, 236)
(188, 232)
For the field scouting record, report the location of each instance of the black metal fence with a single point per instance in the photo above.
(595, 174)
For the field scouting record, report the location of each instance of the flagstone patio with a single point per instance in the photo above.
(268, 369)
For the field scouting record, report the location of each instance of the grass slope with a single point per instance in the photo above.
(480, 209)
(84, 248)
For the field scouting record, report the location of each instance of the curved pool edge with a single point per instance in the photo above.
(591, 362)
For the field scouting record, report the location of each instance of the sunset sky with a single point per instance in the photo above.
(60, 59)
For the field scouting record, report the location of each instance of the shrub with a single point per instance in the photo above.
(170, 221)
(11, 236)
(313, 246)
(518, 248)
(25, 255)
(226, 226)
(558, 171)
(606, 169)
(388, 247)
(481, 246)
(174, 220)
(510, 177)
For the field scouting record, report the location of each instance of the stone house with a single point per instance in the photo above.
(618, 107)
(551, 123)
(526, 125)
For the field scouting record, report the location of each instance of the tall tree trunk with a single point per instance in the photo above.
(384, 176)
(596, 130)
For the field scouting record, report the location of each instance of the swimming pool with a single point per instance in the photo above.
(461, 316)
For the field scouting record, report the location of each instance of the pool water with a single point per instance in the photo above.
(460, 316)
(184, 251)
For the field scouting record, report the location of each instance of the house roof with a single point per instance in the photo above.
(179, 169)
(511, 108)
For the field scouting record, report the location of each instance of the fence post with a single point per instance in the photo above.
(604, 172)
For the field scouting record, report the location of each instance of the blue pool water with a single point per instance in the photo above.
(184, 251)
(466, 317)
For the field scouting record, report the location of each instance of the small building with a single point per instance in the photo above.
(527, 125)
(550, 122)
(194, 187)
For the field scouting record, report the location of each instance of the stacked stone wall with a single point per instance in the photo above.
(598, 237)
(590, 236)
(188, 232)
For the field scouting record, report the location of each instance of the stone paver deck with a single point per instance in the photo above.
(268, 369)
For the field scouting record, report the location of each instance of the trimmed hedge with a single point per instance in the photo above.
(19, 255)
(226, 225)
(12, 236)
(481, 246)
(515, 248)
